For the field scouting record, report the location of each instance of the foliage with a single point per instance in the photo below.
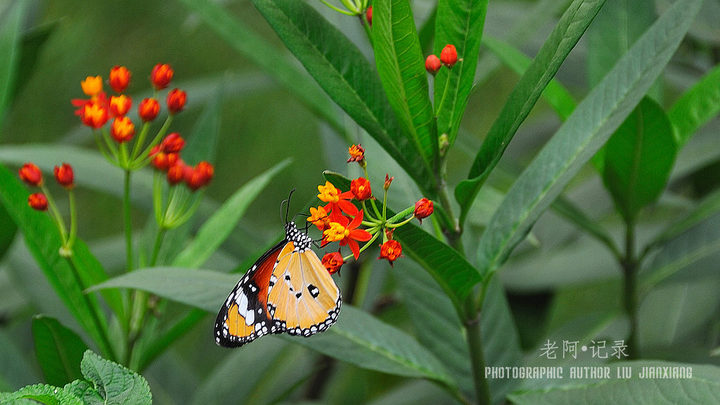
(563, 210)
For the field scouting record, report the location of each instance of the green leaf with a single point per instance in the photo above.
(703, 387)
(592, 123)
(11, 24)
(58, 350)
(357, 338)
(345, 74)
(561, 41)
(702, 241)
(696, 106)
(115, 383)
(555, 93)
(31, 46)
(460, 23)
(265, 55)
(8, 230)
(43, 241)
(708, 207)
(617, 26)
(401, 66)
(42, 393)
(219, 226)
(638, 158)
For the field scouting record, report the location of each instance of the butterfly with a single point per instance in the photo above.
(286, 290)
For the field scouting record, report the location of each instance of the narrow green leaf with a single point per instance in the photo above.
(702, 241)
(708, 207)
(219, 226)
(42, 393)
(357, 338)
(30, 49)
(696, 106)
(702, 386)
(43, 241)
(11, 24)
(555, 93)
(345, 74)
(574, 214)
(58, 350)
(265, 55)
(8, 229)
(401, 66)
(561, 41)
(202, 144)
(592, 123)
(638, 158)
(460, 23)
(115, 383)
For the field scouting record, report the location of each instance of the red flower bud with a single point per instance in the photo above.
(38, 201)
(148, 109)
(360, 188)
(176, 99)
(390, 250)
(357, 153)
(94, 114)
(119, 78)
(31, 174)
(423, 209)
(120, 105)
(176, 172)
(173, 143)
(432, 64)
(161, 160)
(388, 181)
(449, 56)
(64, 175)
(122, 129)
(161, 75)
(368, 15)
(200, 175)
(332, 262)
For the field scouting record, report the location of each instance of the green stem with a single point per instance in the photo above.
(365, 246)
(140, 141)
(55, 214)
(445, 90)
(629, 265)
(157, 137)
(477, 357)
(73, 220)
(158, 244)
(128, 221)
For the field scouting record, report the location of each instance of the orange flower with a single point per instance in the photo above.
(38, 201)
(161, 75)
(360, 188)
(31, 174)
(120, 105)
(161, 160)
(390, 250)
(148, 109)
(92, 86)
(319, 218)
(388, 181)
(432, 64)
(200, 175)
(64, 176)
(119, 78)
(337, 201)
(176, 99)
(449, 56)
(173, 143)
(347, 233)
(176, 172)
(423, 209)
(122, 129)
(332, 262)
(357, 153)
(94, 114)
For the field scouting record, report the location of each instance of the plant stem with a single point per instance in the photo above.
(128, 221)
(629, 265)
(158, 243)
(477, 357)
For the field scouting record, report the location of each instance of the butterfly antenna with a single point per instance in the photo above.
(287, 207)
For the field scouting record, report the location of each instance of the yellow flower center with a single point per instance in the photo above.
(317, 215)
(336, 232)
(328, 193)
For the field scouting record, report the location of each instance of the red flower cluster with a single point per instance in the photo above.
(336, 226)
(166, 158)
(448, 57)
(98, 109)
(30, 173)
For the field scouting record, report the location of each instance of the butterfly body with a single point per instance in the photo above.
(286, 290)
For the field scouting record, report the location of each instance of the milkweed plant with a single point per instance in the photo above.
(576, 267)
